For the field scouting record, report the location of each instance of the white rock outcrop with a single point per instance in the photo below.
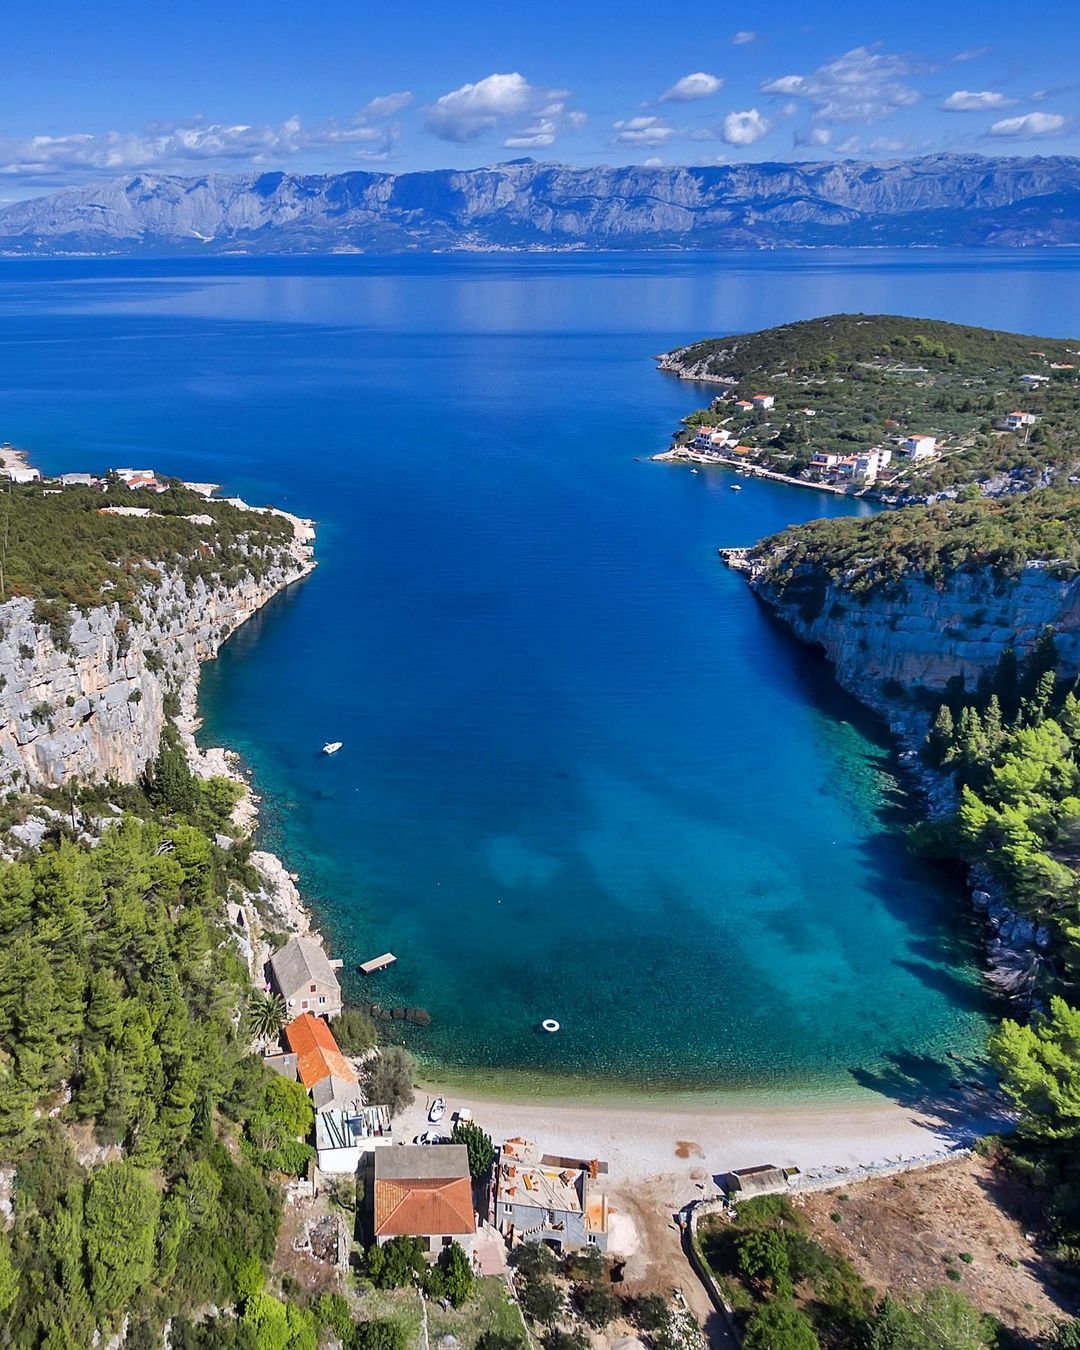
(93, 707)
(919, 633)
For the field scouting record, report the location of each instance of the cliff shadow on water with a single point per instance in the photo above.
(943, 934)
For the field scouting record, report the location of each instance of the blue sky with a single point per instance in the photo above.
(117, 87)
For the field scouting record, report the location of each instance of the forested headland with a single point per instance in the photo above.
(845, 383)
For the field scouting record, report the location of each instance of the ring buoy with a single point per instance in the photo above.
(549, 1024)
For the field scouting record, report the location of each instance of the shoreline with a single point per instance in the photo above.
(682, 455)
(673, 1145)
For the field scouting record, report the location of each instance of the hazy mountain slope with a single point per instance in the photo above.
(942, 199)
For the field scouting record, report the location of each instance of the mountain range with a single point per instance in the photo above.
(936, 200)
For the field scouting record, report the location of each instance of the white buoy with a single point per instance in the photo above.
(549, 1024)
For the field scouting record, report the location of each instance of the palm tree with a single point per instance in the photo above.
(266, 1014)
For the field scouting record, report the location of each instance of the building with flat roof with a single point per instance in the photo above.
(343, 1137)
(542, 1198)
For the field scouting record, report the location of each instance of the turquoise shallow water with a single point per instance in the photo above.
(585, 775)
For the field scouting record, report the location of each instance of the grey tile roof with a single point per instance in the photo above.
(300, 964)
(421, 1162)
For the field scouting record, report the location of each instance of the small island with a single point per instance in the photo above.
(899, 409)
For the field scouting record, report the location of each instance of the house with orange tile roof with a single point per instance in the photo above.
(320, 1065)
(423, 1191)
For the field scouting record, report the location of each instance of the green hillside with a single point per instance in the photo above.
(949, 536)
(61, 546)
(849, 382)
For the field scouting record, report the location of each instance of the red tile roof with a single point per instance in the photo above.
(317, 1053)
(415, 1207)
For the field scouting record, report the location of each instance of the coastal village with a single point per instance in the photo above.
(744, 435)
(907, 422)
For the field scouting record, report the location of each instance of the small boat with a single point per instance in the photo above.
(332, 747)
(549, 1024)
(438, 1110)
(736, 487)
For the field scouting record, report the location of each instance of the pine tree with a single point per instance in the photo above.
(1035, 708)
(169, 784)
(89, 1098)
(104, 1011)
(940, 737)
(1068, 717)
(993, 725)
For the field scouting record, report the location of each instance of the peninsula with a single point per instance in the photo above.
(901, 409)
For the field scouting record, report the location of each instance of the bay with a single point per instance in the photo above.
(584, 775)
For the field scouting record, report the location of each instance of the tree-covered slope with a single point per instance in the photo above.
(816, 346)
(64, 546)
(847, 383)
(863, 553)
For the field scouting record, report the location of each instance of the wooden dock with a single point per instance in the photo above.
(377, 963)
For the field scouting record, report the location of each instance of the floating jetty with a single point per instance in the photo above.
(377, 963)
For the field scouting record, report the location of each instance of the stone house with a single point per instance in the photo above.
(306, 978)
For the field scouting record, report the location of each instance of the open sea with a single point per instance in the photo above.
(585, 775)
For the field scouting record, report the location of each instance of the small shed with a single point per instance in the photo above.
(746, 1182)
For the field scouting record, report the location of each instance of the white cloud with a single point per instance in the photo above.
(654, 162)
(643, 131)
(848, 147)
(886, 145)
(368, 136)
(972, 54)
(743, 36)
(691, 87)
(386, 105)
(969, 100)
(865, 84)
(813, 136)
(1031, 124)
(526, 114)
(744, 128)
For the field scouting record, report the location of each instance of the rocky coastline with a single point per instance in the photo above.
(883, 646)
(90, 705)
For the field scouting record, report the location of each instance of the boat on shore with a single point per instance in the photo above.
(438, 1110)
(332, 747)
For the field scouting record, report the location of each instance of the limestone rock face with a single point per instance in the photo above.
(94, 707)
(935, 199)
(923, 634)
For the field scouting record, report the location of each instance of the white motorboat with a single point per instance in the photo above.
(736, 487)
(438, 1110)
(332, 747)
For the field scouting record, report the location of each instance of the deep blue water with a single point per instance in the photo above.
(585, 775)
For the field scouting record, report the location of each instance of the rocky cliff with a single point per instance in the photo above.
(918, 634)
(938, 199)
(91, 704)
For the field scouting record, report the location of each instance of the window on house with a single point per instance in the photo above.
(447, 1241)
(303, 1003)
(322, 998)
(312, 990)
(590, 1238)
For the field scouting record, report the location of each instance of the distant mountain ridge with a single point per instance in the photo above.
(937, 200)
